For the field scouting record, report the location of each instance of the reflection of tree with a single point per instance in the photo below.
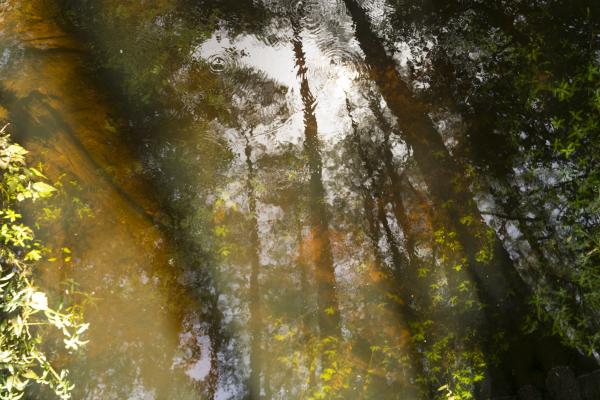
(255, 228)
(373, 189)
(537, 69)
(321, 256)
(255, 313)
(145, 55)
(289, 284)
(499, 286)
(257, 104)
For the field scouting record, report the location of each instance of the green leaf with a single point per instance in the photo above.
(43, 189)
(30, 374)
(33, 255)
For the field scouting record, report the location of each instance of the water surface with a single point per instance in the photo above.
(294, 200)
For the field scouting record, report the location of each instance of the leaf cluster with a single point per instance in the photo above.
(26, 314)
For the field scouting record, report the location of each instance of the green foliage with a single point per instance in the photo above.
(336, 369)
(531, 120)
(572, 108)
(25, 312)
(454, 361)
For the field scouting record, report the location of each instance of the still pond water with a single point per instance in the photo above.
(294, 199)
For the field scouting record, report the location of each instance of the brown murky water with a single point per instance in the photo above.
(259, 206)
(106, 216)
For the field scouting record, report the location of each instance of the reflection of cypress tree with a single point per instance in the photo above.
(328, 311)
(395, 180)
(300, 261)
(499, 285)
(255, 309)
(376, 215)
(304, 286)
(438, 168)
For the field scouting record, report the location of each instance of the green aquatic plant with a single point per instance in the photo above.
(26, 315)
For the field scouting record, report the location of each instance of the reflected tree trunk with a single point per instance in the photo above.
(328, 314)
(438, 168)
(305, 287)
(302, 269)
(375, 214)
(395, 180)
(255, 309)
(499, 286)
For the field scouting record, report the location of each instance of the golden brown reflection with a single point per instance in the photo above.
(105, 218)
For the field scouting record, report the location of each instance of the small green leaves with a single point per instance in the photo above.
(12, 157)
(43, 189)
(329, 311)
(28, 308)
(30, 374)
(279, 337)
(564, 91)
(10, 215)
(466, 220)
(224, 251)
(33, 255)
